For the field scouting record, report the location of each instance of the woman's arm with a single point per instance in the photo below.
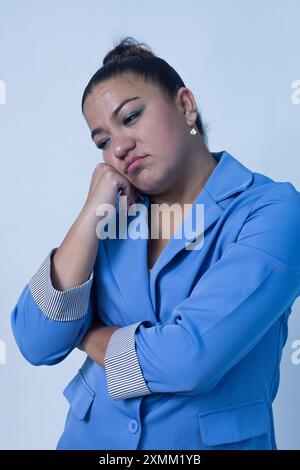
(73, 261)
(75, 258)
(48, 323)
(95, 342)
(56, 308)
(233, 305)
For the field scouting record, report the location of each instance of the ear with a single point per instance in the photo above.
(186, 103)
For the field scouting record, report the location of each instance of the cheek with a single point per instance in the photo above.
(168, 132)
(160, 137)
(153, 125)
(109, 160)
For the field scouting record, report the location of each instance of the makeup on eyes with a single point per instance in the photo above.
(130, 117)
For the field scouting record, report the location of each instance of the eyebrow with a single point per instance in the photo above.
(114, 114)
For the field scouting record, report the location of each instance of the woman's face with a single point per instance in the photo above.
(146, 125)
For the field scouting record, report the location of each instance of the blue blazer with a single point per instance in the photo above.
(195, 362)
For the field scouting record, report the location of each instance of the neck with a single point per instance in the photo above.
(192, 179)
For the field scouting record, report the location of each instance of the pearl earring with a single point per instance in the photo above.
(193, 131)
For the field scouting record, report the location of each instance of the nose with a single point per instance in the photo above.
(122, 145)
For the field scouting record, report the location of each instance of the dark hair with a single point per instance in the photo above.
(132, 57)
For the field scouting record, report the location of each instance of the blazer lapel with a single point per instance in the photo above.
(203, 214)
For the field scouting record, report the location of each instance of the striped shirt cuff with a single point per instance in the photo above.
(123, 372)
(70, 304)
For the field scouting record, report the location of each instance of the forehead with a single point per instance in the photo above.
(109, 94)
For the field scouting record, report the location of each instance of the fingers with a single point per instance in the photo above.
(131, 197)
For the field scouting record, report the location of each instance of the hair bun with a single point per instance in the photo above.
(128, 47)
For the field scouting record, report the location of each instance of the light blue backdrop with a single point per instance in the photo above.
(240, 59)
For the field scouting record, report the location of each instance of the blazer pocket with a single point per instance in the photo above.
(79, 395)
(234, 423)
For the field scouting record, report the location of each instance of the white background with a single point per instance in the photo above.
(239, 58)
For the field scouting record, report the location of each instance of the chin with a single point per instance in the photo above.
(144, 182)
(150, 182)
(152, 188)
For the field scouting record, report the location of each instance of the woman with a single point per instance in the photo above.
(185, 356)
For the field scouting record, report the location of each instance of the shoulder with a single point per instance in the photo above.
(282, 198)
(273, 222)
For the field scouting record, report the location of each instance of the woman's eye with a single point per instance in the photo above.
(101, 145)
(129, 118)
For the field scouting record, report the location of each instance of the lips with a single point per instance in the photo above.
(131, 161)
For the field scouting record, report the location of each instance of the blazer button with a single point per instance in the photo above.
(133, 426)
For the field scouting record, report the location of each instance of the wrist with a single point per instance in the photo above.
(96, 342)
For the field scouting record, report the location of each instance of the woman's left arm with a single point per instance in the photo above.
(96, 341)
(230, 309)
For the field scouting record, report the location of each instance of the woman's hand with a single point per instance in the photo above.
(104, 187)
(74, 260)
(96, 341)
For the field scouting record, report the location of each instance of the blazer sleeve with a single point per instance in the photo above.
(47, 323)
(229, 310)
